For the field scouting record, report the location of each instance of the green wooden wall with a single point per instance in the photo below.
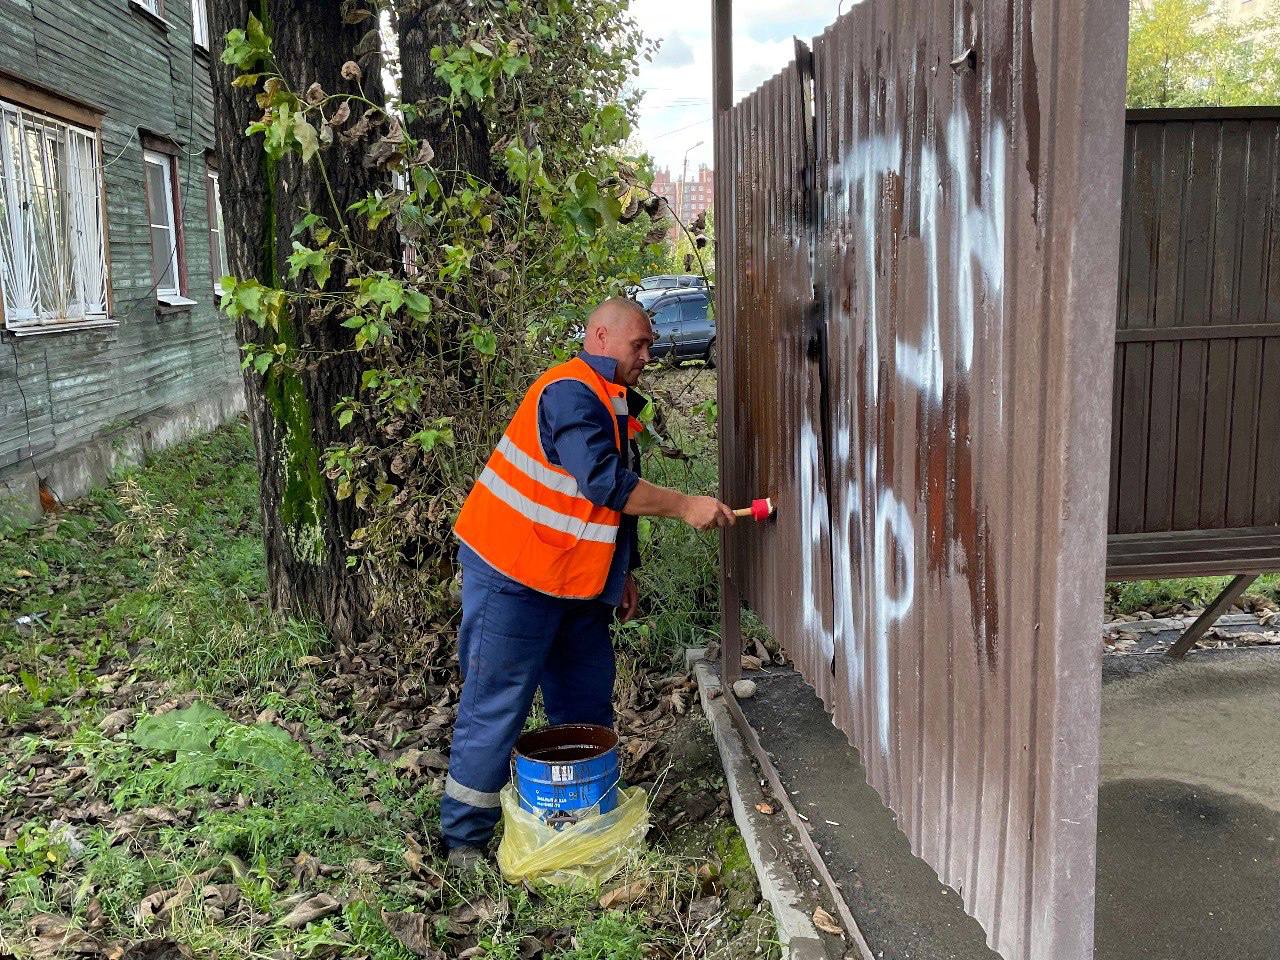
(58, 390)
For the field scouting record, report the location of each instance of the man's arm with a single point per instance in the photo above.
(582, 438)
(701, 513)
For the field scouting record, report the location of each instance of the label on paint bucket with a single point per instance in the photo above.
(561, 774)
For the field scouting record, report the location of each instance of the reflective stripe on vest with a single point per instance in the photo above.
(527, 517)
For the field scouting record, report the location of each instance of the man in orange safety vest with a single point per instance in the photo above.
(547, 548)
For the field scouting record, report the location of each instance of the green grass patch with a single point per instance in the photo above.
(1160, 597)
(678, 578)
(264, 788)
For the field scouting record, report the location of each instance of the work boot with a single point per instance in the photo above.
(463, 860)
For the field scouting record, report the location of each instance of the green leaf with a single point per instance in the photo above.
(613, 123)
(418, 304)
(306, 136)
(191, 729)
(485, 341)
(262, 362)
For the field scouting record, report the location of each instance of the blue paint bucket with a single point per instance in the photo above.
(564, 769)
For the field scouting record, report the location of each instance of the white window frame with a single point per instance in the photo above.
(51, 281)
(200, 23)
(165, 162)
(217, 229)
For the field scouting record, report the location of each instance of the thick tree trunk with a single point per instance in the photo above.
(421, 25)
(305, 527)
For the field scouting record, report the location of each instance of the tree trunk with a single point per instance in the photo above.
(306, 528)
(421, 25)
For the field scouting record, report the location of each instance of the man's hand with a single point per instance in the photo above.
(630, 599)
(703, 513)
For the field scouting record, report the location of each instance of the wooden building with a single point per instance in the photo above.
(110, 241)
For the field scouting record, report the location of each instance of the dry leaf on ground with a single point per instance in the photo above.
(827, 923)
(319, 906)
(412, 930)
(627, 893)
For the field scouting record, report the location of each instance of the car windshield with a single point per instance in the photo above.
(657, 283)
(647, 298)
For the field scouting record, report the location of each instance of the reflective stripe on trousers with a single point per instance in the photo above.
(512, 641)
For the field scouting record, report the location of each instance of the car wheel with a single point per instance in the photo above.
(711, 353)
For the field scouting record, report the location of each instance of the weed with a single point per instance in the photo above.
(677, 578)
(1170, 596)
(611, 936)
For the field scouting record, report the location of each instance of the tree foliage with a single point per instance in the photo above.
(1185, 53)
(505, 241)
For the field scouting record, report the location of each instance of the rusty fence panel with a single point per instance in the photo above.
(774, 391)
(918, 269)
(1195, 451)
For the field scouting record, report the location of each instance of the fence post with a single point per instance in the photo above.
(722, 100)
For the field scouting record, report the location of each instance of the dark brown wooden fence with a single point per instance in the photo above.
(916, 292)
(1195, 438)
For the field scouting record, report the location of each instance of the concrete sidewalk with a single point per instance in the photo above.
(1189, 816)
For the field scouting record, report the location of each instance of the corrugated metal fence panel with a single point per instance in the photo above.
(1197, 366)
(965, 262)
(777, 440)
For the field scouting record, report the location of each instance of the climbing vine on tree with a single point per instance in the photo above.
(491, 227)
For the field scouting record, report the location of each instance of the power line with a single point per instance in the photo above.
(696, 123)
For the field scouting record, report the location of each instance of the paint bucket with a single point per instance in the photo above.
(561, 771)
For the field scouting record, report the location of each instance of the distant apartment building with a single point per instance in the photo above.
(687, 198)
(111, 242)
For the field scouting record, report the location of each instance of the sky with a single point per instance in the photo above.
(675, 113)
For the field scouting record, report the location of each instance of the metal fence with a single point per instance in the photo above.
(916, 295)
(1195, 450)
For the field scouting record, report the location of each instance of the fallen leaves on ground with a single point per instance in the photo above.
(827, 923)
(411, 929)
(315, 908)
(624, 894)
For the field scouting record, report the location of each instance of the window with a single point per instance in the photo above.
(667, 314)
(53, 269)
(200, 23)
(693, 310)
(217, 238)
(166, 237)
(152, 6)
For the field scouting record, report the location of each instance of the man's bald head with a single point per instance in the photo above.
(620, 328)
(615, 311)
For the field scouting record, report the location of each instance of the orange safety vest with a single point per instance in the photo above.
(526, 517)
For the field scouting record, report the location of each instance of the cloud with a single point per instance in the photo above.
(765, 23)
(674, 52)
(675, 113)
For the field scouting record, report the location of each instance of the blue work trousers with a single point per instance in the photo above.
(512, 641)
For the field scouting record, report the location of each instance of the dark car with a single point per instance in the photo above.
(681, 323)
(664, 281)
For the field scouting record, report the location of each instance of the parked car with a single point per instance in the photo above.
(664, 281)
(682, 323)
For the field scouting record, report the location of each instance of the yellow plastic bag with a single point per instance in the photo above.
(583, 854)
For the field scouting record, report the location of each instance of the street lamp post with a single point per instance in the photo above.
(684, 169)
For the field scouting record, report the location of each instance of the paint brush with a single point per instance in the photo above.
(759, 511)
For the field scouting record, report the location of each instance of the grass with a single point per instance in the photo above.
(176, 765)
(1163, 597)
(678, 581)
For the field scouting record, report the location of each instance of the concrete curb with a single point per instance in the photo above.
(800, 938)
(1178, 623)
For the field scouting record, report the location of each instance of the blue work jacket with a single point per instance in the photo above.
(578, 437)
